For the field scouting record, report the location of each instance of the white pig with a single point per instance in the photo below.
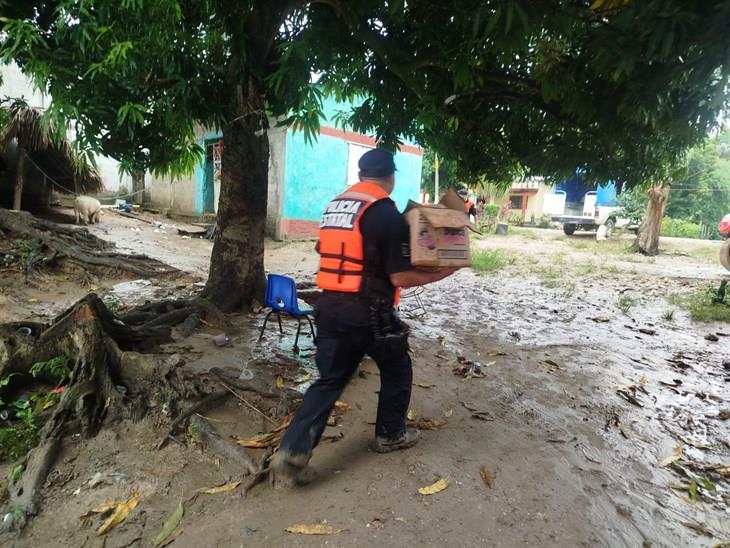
(87, 209)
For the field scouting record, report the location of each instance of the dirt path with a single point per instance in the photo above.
(571, 461)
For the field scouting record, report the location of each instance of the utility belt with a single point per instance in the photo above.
(390, 333)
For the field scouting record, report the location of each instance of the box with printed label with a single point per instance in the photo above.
(439, 233)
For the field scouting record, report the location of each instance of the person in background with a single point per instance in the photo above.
(469, 207)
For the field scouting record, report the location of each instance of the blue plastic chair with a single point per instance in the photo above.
(281, 296)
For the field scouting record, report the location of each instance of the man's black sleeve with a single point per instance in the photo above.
(384, 225)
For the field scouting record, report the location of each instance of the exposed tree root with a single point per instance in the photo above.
(262, 472)
(207, 403)
(77, 246)
(170, 313)
(97, 392)
(205, 433)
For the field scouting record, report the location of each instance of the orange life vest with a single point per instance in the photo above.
(468, 205)
(341, 252)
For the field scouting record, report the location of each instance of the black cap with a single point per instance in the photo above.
(377, 162)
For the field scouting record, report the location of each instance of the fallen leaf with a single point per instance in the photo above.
(284, 424)
(120, 513)
(550, 365)
(601, 319)
(102, 508)
(482, 416)
(225, 488)
(484, 473)
(424, 385)
(412, 415)
(697, 527)
(260, 441)
(642, 380)
(169, 526)
(312, 529)
(427, 424)
(442, 340)
(280, 382)
(434, 488)
(666, 461)
(172, 537)
(306, 377)
(342, 406)
(48, 405)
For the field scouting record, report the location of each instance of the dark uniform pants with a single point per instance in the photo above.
(341, 345)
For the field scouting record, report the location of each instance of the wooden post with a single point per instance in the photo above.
(19, 179)
(436, 166)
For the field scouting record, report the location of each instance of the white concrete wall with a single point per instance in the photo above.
(277, 163)
(16, 84)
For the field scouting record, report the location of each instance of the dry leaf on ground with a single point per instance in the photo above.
(424, 385)
(299, 379)
(280, 382)
(412, 415)
(677, 453)
(260, 441)
(120, 513)
(284, 424)
(484, 473)
(434, 488)
(342, 406)
(427, 424)
(550, 365)
(225, 488)
(312, 529)
(170, 524)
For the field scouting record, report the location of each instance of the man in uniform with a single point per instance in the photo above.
(364, 261)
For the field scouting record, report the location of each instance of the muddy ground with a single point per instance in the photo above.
(592, 379)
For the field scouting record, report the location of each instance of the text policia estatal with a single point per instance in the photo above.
(341, 214)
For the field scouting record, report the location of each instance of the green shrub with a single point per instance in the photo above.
(702, 305)
(491, 210)
(679, 228)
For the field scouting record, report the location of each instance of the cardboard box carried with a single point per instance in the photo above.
(440, 232)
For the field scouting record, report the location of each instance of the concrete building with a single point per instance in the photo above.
(525, 199)
(303, 176)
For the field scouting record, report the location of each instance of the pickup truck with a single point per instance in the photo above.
(590, 216)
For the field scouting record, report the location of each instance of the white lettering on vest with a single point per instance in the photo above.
(341, 214)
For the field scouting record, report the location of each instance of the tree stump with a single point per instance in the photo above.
(647, 240)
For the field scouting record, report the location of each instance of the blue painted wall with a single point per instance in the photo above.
(315, 173)
(200, 171)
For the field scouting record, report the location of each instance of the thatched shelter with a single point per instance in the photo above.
(37, 160)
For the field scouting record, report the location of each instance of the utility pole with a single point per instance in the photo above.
(436, 166)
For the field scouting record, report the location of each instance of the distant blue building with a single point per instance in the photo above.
(302, 177)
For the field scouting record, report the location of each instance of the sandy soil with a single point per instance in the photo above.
(571, 462)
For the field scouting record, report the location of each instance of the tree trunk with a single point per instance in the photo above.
(19, 180)
(137, 186)
(236, 275)
(647, 240)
